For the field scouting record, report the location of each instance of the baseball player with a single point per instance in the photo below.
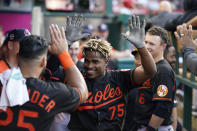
(10, 48)
(156, 96)
(105, 108)
(46, 99)
(73, 33)
(61, 120)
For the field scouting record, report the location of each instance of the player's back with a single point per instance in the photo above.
(46, 100)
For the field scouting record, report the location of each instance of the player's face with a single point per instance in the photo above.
(103, 35)
(14, 47)
(153, 44)
(94, 65)
(171, 57)
(74, 50)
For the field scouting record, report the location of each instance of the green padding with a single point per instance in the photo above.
(125, 63)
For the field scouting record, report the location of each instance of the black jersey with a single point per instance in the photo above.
(160, 88)
(105, 108)
(58, 75)
(130, 111)
(46, 100)
(79, 65)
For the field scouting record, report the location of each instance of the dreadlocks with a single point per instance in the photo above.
(101, 46)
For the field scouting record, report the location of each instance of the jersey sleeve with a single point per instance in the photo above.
(66, 98)
(163, 84)
(190, 58)
(125, 77)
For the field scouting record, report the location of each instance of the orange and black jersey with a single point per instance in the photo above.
(104, 110)
(46, 100)
(161, 88)
(3, 65)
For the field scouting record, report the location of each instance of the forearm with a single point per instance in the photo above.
(192, 22)
(190, 58)
(163, 110)
(155, 121)
(74, 77)
(147, 61)
(174, 118)
(76, 80)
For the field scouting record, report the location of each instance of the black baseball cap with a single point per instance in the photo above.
(16, 34)
(102, 28)
(134, 50)
(87, 29)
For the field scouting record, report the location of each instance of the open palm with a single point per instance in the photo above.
(73, 28)
(136, 32)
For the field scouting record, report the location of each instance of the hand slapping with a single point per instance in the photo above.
(58, 40)
(136, 32)
(74, 29)
(184, 36)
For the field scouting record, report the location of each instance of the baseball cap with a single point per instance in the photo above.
(102, 28)
(134, 50)
(88, 29)
(16, 34)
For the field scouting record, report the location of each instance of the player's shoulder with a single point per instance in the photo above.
(119, 74)
(43, 85)
(163, 66)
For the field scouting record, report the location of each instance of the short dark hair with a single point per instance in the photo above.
(167, 50)
(31, 47)
(159, 31)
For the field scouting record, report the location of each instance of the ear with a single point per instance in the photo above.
(164, 46)
(106, 62)
(43, 62)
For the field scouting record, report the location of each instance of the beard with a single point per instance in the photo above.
(173, 64)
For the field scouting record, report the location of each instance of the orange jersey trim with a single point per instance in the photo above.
(3, 66)
(80, 56)
(143, 87)
(169, 99)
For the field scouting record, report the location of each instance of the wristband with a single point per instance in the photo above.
(65, 60)
(149, 128)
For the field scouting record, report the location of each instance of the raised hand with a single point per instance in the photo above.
(184, 36)
(58, 40)
(136, 32)
(74, 29)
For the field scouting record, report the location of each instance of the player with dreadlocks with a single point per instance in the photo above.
(105, 107)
